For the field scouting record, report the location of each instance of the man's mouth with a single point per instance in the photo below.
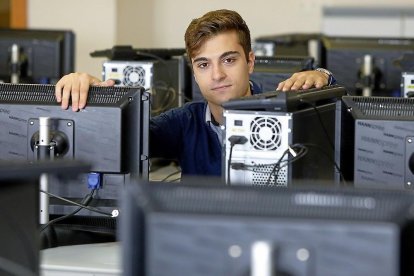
(221, 87)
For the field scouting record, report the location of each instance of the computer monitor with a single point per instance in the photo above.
(36, 55)
(269, 71)
(291, 44)
(19, 212)
(197, 229)
(373, 142)
(368, 66)
(110, 133)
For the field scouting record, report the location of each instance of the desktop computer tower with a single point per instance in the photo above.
(165, 79)
(279, 148)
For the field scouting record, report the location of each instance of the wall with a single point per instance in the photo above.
(100, 24)
(93, 22)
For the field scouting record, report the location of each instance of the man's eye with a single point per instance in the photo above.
(202, 65)
(229, 60)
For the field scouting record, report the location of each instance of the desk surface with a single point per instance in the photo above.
(86, 259)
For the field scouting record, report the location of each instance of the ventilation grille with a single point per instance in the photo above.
(134, 76)
(265, 133)
(383, 106)
(261, 175)
(45, 94)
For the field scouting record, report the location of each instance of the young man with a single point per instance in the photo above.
(218, 46)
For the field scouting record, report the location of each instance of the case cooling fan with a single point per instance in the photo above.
(265, 133)
(134, 76)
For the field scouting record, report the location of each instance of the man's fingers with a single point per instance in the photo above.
(83, 95)
(109, 82)
(65, 96)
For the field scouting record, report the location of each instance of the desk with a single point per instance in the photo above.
(99, 259)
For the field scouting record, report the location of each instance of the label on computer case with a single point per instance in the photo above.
(407, 84)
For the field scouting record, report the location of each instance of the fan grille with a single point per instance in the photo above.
(265, 133)
(134, 76)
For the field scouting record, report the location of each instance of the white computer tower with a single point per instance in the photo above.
(164, 79)
(271, 142)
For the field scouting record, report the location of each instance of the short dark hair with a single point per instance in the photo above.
(214, 23)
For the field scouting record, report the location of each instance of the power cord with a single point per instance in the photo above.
(297, 151)
(86, 200)
(168, 88)
(342, 178)
(113, 214)
(321, 122)
(329, 141)
(234, 140)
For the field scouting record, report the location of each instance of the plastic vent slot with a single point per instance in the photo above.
(380, 106)
(45, 93)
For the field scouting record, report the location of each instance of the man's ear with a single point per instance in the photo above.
(250, 61)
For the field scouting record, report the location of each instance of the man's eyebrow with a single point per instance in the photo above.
(223, 55)
(229, 53)
(199, 59)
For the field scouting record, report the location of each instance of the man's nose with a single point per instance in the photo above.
(218, 73)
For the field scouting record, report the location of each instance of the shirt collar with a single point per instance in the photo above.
(208, 116)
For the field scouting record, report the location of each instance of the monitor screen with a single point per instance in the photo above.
(368, 66)
(36, 56)
(197, 229)
(110, 134)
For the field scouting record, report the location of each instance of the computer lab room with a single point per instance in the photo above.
(207, 138)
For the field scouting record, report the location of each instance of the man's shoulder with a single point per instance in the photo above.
(194, 107)
(189, 109)
(255, 88)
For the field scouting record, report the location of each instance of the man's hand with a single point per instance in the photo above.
(75, 86)
(304, 80)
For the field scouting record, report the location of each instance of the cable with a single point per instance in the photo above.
(321, 122)
(169, 88)
(302, 151)
(329, 141)
(234, 139)
(78, 204)
(171, 96)
(86, 200)
(330, 159)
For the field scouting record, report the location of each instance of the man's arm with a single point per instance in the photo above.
(75, 86)
(307, 79)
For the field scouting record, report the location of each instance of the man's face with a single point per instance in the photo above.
(221, 70)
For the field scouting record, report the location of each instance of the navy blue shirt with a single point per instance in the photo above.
(183, 134)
